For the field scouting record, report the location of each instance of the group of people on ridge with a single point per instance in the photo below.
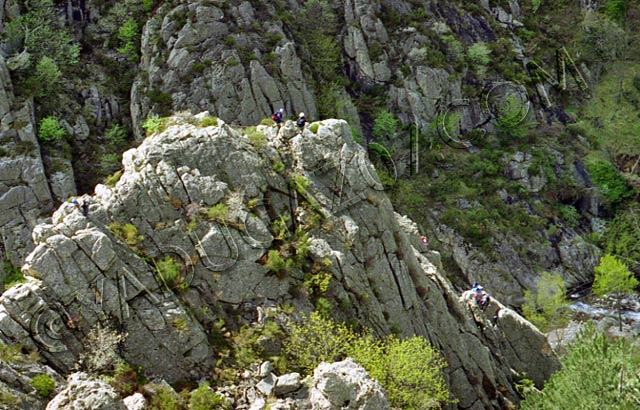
(278, 117)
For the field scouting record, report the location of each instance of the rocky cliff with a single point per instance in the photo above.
(218, 202)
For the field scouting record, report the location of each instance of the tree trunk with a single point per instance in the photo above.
(619, 307)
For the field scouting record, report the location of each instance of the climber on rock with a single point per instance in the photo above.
(480, 296)
(301, 121)
(85, 206)
(278, 117)
(425, 243)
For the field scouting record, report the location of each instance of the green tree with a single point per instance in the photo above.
(385, 125)
(614, 278)
(50, 130)
(40, 33)
(128, 35)
(479, 56)
(547, 307)
(597, 374)
(410, 370)
(622, 236)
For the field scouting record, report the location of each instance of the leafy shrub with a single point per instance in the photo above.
(50, 130)
(613, 278)
(615, 9)
(204, 398)
(44, 384)
(166, 399)
(479, 55)
(154, 124)
(278, 166)
(126, 232)
(570, 215)
(112, 179)
(209, 122)
(218, 213)
(125, 379)
(622, 235)
(385, 125)
(12, 275)
(268, 122)
(168, 271)
(608, 180)
(116, 135)
(256, 138)
(597, 373)
(314, 127)
(547, 307)
(409, 370)
(48, 77)
(128, 35)
(277, 264)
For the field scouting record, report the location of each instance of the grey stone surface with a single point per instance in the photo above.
(86, 393)
(135, 402)
(84, 274)
(346, 386)
(286, 384)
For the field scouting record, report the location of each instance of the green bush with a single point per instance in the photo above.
(12, 275)
(547, 307)
(597, 373)
(44, 384)
(479, 55)
(128, 35)
(268, 122)
(209, 122)
(570, 215)
(256, 138)
(409, 370)
(48, 77)
(277, 264)
(204, 398)
(622, 235)
(50, 130)
(154, 124)
(116, 135)
(314, 127)
(607, 178)
(125, 379)
(112, 179)
(218, 213)
(168, 271)
(127, 232)
(385, 125)
(166, 399)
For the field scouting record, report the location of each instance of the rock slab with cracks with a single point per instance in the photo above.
(103, 270)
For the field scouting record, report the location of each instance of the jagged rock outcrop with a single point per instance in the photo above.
(24, 191)
(16, 376)
(206, 56)
(168, 203)
(86, 393)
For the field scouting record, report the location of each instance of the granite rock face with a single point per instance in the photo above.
(346, 386)
(205, 199)
(86, 393)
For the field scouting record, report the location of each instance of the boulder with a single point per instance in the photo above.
(345, 385)
(86, 393)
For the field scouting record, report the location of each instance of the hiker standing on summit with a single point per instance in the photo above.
(278, 117)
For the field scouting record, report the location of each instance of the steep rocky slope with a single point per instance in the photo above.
(217, 201)
(351, 60)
